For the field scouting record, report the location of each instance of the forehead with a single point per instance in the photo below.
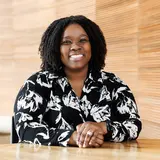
(74, 30)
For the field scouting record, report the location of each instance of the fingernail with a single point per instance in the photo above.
(84, 145)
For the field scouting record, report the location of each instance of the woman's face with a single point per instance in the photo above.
(75, 48)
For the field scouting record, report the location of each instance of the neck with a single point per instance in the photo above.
(77, 75)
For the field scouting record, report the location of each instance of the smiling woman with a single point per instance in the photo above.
(75, 48)
(71, 101)
(75, 52)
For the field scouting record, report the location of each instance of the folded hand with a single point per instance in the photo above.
(91, 134)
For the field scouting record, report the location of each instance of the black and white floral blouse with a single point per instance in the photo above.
(47, 109)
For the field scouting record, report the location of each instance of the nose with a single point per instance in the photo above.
(75, 47)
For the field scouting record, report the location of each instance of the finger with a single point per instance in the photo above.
(78, 127)
(99, 141)
(96, 141)
(81, 139)
(93, 138)
(100, 136)
(87, 139)
(97, 145)
(87, 133)
(79, 131)
(82, 134)
(97, 138)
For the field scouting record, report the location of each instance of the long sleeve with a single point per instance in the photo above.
(124, 123)
(31, 106)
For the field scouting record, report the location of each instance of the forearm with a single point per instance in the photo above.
(122, 131)
(125, 121)
(41, 134)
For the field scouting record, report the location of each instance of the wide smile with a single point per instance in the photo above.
(76, 57)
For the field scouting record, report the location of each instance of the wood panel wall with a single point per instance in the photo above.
(132, 31)
(6, 57)
(29, 22)
(149, 66)
(22, 24)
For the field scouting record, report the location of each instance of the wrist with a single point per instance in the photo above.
(104, 127)
(72, 139)
(108, 126)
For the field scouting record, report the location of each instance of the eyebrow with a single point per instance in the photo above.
(80, 36)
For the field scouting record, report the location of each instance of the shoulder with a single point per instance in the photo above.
(39, 83)
(111, 78)
(42, 78)
(116, 85)
(107, 75)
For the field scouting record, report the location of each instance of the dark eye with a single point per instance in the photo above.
(83, 40)
(66, 42)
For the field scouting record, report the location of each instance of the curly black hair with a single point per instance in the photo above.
(49, 48)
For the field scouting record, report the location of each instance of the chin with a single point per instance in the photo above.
(79, 68)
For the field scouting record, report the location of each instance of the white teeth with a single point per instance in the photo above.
(76, 57)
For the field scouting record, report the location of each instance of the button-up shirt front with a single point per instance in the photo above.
(47, 109)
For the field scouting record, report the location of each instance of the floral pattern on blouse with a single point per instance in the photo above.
(47, 109)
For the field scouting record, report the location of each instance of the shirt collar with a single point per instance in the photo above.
(95, 76)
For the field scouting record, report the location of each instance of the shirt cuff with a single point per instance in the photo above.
(108, 135)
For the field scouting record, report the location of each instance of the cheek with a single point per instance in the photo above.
(88, 49)
(63, 51)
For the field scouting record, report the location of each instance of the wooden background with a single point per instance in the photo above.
(132, 31)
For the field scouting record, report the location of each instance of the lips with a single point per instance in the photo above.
(76, 57)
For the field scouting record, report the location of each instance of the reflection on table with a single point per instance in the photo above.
(135, 150)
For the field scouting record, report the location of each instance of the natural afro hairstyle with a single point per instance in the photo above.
(49, 48)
